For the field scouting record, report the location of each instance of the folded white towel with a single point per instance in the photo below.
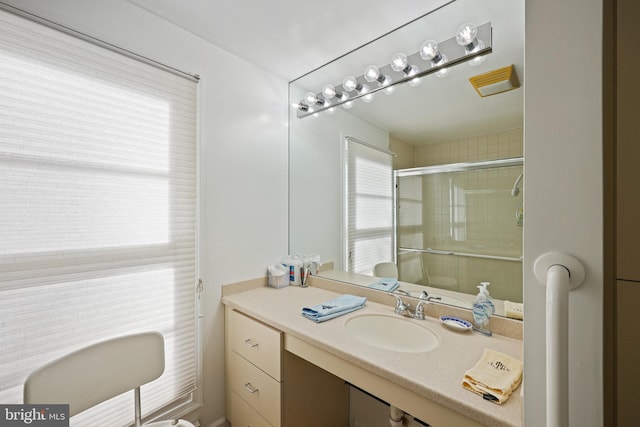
(495, 376)
(515, 310)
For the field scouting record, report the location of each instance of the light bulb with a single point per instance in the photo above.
(399, 62)
(429, 51)
(312, 98)
(328, 91)
(349, 83)
(466, 34)
(301, 106)
(371, 73)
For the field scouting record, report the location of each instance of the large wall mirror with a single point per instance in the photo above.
(446, 205)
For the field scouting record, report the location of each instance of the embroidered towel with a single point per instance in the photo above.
(514, 310)
(333, 308)
(494, 376)
(385, 284)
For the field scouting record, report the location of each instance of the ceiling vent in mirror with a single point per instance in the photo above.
(496, 81)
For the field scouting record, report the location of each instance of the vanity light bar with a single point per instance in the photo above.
(455, 54)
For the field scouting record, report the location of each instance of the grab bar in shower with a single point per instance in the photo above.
(466, 254)
(560, 273)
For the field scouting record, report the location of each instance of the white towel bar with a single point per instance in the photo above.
(560, 273)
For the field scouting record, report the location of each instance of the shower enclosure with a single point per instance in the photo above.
(460, 224)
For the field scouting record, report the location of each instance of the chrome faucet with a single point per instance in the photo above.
(401, 306)
(404, 308)
(419, 313)
(403, 292)
(424, 295)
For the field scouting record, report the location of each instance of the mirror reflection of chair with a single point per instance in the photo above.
(386, 270)
(414, 270)
(411, 268)
(441, 282)
(96, 373)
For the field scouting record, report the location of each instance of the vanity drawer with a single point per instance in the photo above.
(244, 415)
(256, 342)
(255, 387)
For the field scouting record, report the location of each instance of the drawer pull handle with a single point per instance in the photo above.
(251, 389)
(249, 343)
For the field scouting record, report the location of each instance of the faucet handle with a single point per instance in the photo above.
(419, 313)
(401, 306)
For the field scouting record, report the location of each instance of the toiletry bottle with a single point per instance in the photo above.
(483, 308)
(295, 266)
(491, 307)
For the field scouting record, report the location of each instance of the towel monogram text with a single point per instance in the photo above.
(499, 366)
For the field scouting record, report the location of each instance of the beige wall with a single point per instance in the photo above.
(404, 153)
(499, 145)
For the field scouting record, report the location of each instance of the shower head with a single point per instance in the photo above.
(516, 190)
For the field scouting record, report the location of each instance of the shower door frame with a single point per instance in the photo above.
(445, 168)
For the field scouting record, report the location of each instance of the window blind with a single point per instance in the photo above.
(369, 207)
(98, 221)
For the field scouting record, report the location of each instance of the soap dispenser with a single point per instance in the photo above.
(483, 309)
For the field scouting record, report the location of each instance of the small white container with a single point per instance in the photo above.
(278, 276)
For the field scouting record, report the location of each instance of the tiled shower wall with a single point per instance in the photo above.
(484, 220)
(499, 145)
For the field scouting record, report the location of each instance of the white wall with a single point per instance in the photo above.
(563, 194)
(243, 118)
(316, 159)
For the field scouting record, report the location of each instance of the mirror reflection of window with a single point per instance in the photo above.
(457, 212)
(410, 212)
(369, 207)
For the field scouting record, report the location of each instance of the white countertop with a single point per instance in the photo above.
(435, 375)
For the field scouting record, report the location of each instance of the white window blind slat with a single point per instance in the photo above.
(369, 207)
(98, 222)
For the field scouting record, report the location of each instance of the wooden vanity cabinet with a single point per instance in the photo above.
(269, 387)
(254, 367)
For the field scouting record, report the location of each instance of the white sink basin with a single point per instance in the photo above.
(444, 299)
(391, 333)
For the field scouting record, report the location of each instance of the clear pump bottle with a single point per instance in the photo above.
(483, 309)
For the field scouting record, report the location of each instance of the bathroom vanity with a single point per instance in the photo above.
(286, 370)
